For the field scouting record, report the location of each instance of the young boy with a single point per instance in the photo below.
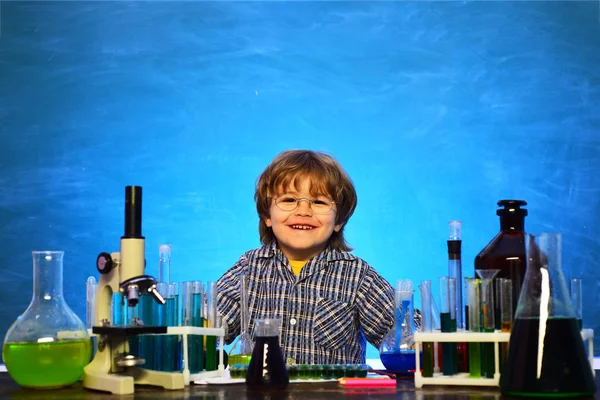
(330, 302)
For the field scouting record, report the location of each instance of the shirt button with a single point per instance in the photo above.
(293, 321)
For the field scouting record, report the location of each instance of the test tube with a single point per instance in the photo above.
(504, 288)
(171, 359)
(426, 326)
(448, 322)
(474, 300)
(192, 311)
(488, 311)
(159, 318)
(577, 301)
(164, 263)
(211, 322)
(90, 301)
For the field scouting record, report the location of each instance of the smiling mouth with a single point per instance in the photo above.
(302, 227)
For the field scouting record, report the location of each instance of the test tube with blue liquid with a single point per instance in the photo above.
(192, 311)
(448, 322)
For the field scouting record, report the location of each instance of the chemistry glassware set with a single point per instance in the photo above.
(539, 351)
(520, 328)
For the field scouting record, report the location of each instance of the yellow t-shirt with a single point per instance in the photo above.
(297, 266)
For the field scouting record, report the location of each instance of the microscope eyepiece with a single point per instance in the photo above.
(133, 212)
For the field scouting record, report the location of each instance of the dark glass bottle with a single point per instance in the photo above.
(506, 251)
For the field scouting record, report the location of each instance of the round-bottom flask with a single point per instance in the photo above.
(48, 345)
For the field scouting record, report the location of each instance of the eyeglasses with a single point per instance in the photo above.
(287, 202)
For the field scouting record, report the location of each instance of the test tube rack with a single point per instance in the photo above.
(185, 331)
(462, 378)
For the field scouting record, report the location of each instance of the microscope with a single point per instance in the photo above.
(113, 368)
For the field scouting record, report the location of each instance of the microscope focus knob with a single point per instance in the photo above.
(104, 263)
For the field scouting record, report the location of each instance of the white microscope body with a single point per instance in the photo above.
(113, 369)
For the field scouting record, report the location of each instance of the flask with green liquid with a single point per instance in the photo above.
(48, 345)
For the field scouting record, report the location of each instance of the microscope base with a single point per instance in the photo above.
(166, 380)
(115, 384)
(123, 383)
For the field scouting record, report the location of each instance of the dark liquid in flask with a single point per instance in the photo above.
(267, 368)
(565, 371)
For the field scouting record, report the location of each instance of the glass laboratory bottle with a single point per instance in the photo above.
(546, 356)
(267, 368)
(506, 251)
(48, 345)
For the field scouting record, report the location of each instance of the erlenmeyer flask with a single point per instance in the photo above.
(241, 351)
(48, 345)
(546, 354)
(267, 368)
(396, 350)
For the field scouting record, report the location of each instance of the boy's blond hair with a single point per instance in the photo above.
(327, 177)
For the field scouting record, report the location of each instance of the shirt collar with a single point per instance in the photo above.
(328, 255)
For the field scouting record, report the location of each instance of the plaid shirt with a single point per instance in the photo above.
(328, 313)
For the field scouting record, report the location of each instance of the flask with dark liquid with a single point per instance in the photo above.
(267, 368)
(506, 251)
(546, 355)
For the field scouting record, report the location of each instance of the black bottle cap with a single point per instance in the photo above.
(512, 207)
(512, 216)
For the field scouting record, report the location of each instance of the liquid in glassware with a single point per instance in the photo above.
(267, 368)
(565, 370)
(28, 363)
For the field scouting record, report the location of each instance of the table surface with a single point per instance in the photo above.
(405, 390)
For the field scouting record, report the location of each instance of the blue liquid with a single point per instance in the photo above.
(402, 362)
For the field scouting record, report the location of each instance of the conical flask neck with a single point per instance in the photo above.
(544, 293)
(47, 275)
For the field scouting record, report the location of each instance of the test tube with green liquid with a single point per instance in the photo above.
(426, 326)
(488, 310)
(211, 322)
(192, 311)
(448, 322)
(474, 301)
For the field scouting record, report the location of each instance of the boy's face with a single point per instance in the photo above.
(301, 233)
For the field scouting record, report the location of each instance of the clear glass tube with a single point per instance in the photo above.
(474, 301)
(164, 263)
(192, 315)
(455, 267)
(90, 301)
(448, 322)
(211, 322)
(577, 301)
(426, 326)
(504, 288)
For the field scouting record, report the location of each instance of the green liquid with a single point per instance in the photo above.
(47, 365)
(235, 359)
(211, 353)
(428, 360)
(448, 349)
(475, 360)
